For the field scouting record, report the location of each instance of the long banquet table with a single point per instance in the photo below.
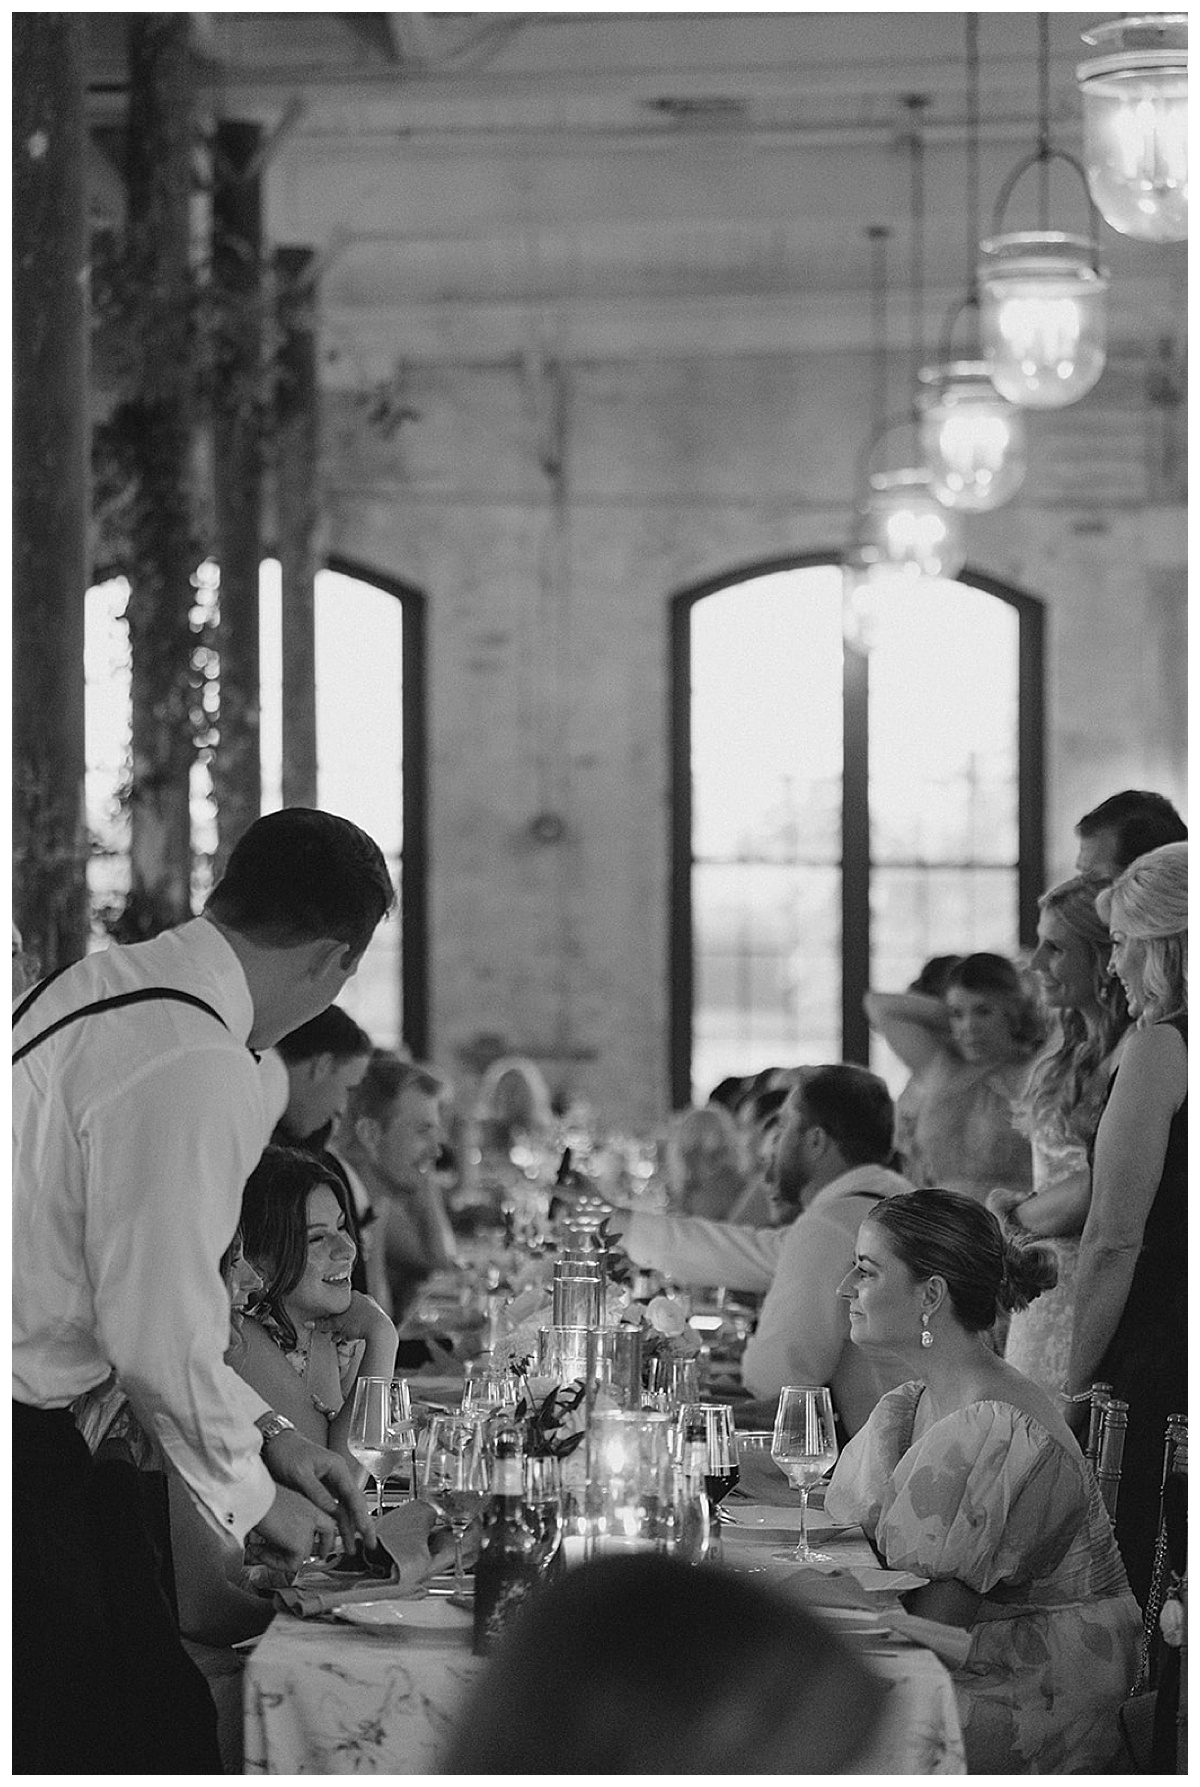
(323, 1697)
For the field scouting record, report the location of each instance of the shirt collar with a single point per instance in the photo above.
(229, 993)
(872, 1177)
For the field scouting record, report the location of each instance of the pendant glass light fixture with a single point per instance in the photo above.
(973, 439)
(901, 525)
(1135, 124)
(1042, 292)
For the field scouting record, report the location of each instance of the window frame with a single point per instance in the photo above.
(856, 862)
(414, 858)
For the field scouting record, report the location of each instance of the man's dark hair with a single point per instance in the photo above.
(387, 1076)
(332, 1032)
(299, 875)
(1139, 820)
(854, 1107)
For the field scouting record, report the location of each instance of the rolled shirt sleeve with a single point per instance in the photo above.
(694, 1250)
(167, 1157)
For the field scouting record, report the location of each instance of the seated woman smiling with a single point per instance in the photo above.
(309, 1336)
(970, 1477)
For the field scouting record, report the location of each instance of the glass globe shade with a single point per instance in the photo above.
(1135, 125)
(902, 526)
(1042, 317)
(973, 439)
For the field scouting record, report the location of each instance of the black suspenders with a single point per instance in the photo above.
(112, 1004)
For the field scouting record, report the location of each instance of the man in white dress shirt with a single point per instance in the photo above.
(135, 1127)
(836, 1139)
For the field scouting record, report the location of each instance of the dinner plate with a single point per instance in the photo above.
(855, 1622)
(406, 1616)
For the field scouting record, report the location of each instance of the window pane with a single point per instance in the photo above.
(360, 761)
(106, 718)
(943, 727)
(768, 979)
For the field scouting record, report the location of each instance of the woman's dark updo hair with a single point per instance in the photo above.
(985, 1270)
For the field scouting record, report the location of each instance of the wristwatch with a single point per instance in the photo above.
(271, 1425)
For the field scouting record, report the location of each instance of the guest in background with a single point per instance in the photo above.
(1131, 1299)
(309, 1335)
(512, 1104)
(932, 982)
(836, 1137)
(761, 1123)
(647, 1667)
(704, 1162)
(969, 1055)
(1066, 1095)
(321, 1063)
(391, 1136)
(969, 1476)
(1123, 827)
(24, 966)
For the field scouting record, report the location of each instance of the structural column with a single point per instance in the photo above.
(50, 484)
(238, 450)
(298, 515)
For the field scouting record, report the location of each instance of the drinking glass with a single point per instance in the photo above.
(486, 1388)
(381, 1430)
(453, 1478)
(671, 1383)
(543, 1505)
(804, 1445)
(721, 1469)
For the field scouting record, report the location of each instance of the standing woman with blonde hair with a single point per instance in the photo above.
(1131, 1296)
(1067, 1090)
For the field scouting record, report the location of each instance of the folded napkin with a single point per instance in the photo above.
(410, 1537)
(827, 1586)
(761, 1480)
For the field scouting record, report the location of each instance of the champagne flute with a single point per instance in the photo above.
(804, 1445)
(381, 1430)
(453, 1478)
(543, 1506)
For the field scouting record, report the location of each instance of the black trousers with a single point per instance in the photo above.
(101, 1683)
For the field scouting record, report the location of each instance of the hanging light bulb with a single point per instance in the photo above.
(972, 438)
(903, 528)
(1042, 292)
(1042, 316)
(1135, 124)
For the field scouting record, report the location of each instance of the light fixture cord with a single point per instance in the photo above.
(877, 234)
(972, 158)
(916, 105)
(1043, 19)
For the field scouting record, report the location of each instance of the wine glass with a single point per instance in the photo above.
(804, 1445)
(453, 1478)
(543, 1506)
(381, 1429)
(714, 1420)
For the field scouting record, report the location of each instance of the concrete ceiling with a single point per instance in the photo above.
(590, 184)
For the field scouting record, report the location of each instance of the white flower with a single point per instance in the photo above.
(666, 1316)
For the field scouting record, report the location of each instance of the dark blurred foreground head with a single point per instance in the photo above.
(642, 1665)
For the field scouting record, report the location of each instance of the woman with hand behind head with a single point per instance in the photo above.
(969, 1477)
(969, 1053)
(1131, 1300)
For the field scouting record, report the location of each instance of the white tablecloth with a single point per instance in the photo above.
(327, 1698)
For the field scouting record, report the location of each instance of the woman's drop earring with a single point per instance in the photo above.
(926, 1336)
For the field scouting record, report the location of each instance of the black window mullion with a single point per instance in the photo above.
(856, 854)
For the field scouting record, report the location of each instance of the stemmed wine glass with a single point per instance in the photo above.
(487, 1389)
(381, 1429)
(453, 1477)
(804, 1445)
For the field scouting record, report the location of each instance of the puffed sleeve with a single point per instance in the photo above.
(861, 1475)
(988, 1497)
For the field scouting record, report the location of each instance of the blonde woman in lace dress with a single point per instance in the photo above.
(1066, 1096)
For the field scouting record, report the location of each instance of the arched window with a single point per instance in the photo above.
(370, 762)
(839, 815)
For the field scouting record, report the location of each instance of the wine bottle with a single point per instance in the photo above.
(507, 1570)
